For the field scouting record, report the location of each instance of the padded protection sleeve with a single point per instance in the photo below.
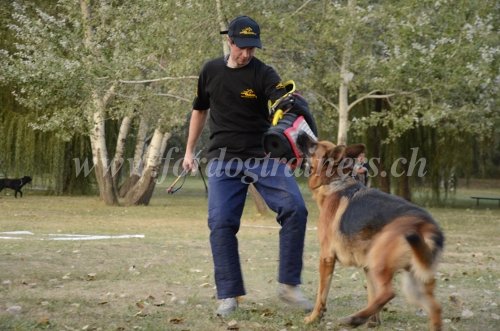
(300, 106)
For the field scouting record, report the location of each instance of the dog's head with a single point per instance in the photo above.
(327, 161)
(26, 179)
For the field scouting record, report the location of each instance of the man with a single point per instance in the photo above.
(360, 169)
(236, 89)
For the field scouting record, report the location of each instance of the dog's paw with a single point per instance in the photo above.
(308, 319)
(353, 321)
(373, 321)
(315, 316)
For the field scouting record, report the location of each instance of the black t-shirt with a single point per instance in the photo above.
(237, 99)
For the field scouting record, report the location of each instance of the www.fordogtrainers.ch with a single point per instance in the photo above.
(251, 169)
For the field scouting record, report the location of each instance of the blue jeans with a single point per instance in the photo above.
(228, 185)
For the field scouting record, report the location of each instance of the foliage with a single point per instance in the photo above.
(447, 54)
(436, 62)
(56, 72)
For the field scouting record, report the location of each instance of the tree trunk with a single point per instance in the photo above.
(107, 191)
(404, 186)
(136, 167)
(164, 143)
(141, 192)
(222, 25)
(379, 153)
(343, 114)
(120, 150)
(260, 204)
(104, 178)
(346, 77)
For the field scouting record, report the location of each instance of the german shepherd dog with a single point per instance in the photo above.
(367, 228)
(15, 184)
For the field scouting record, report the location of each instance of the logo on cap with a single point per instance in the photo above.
(247, 31)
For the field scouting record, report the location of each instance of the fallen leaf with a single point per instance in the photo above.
(14, 310)
(43, 321)
(195, 270)
(466, 313)
(456, 300)
(421, 313)
(176, 320)
(233, 325)
(267, 313)
(91, 276)
(141, 314)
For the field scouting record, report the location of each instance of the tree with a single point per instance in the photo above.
(447, 54)
(78, 67)
(433, 64)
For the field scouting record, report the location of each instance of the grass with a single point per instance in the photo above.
(164, 280)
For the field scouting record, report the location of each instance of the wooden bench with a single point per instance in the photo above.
(486, 198)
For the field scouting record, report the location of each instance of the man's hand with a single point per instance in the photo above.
(189, 164)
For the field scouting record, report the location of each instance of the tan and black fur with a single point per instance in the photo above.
(379, 232)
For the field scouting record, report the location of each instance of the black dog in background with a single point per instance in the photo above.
(15, 184)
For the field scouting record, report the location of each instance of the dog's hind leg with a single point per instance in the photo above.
(374, 320)
(432, 306)
(422, 294)
(381, 279)
(326, 267)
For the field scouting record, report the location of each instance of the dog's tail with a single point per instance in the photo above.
(426, 245)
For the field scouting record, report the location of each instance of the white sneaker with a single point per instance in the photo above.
(292, 295)
(227, 306)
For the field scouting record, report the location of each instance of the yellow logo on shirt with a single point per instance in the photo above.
(248, 94)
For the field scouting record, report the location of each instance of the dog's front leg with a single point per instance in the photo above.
(326, 267)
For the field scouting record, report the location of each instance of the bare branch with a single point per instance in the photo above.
(108, 95)
(301, 7)
(156, 80)
(372, 95)
(326, 100)
(87, 41)
(173, 96)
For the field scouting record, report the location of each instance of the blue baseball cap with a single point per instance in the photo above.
(244, 31)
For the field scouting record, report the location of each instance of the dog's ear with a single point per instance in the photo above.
(336, 154)
(340, 159)
(306, 144)
(353, 151)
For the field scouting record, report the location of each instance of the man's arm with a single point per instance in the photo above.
(196, 125)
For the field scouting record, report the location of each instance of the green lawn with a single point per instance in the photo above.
(163, 281)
